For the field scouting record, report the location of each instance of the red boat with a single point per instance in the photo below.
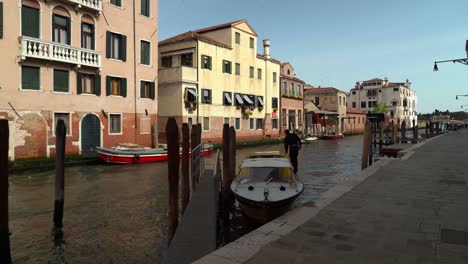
(333, 136)
(127, 155)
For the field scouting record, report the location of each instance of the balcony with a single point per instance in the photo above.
(177, 75)
(92, 4)
(41, 49)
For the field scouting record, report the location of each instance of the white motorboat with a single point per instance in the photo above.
(266, 185)
(311, 139)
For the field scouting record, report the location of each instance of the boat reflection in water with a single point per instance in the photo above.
(266, 185)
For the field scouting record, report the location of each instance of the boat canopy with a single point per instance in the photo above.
(266, 154)
(265, 174)
(269, 162)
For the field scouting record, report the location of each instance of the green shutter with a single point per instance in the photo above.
(108, 85)
(29, 22)
(108, 44)
(1, 20)
(123, 87)
(97, 85)
(145, 52)
(123, 49)
(92, 37)
(209, 62)
(61, 81)
(82, 35)
(68, 31)
(142, 89)
(30, 78)
(152, 90)
(79, 82)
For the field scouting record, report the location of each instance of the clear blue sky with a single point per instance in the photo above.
(338, 42)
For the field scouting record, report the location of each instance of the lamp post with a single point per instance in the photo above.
(462, 106)
(462, 61)
(456, 96)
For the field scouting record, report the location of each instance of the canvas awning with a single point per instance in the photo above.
(260, 100)
(228, 98)
(247, 99)
(191, 91)
(239, 99)
(177, 52)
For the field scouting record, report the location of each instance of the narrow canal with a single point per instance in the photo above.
(118, 213)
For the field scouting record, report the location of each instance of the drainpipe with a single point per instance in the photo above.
(134, 70)
(266, 52)
(198, 90)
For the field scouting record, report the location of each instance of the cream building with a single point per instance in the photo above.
(214, 76)
(92, 63)
(400, 99)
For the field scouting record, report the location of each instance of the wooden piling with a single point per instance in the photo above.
(232, 135)
(226, 158)
(394, 133)
(185, 166)
(154, 136)
(172, 139)
(381, 141)
(403, 131)
(5, 256)
(60, 134)
(431, 128)
(366, 145)
(193, 144)
(427, 130)
(437, 125)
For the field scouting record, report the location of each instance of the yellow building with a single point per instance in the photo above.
(214, 76)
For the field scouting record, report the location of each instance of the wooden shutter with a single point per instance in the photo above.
(97, 84)
(152, 90)
(123, 87)
(79, 82)
(209, 62)
(29, 22)
(61, 81)
(30, 79)
(92, 37)
(108, 44)
(1, 20)
(108, 85)
(142, 89)
(82, 35)
(68, 31)
(123, 48)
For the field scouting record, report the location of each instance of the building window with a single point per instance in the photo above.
(274, 102)
(206, 123)
(206, 96)
(237, 37)
(30, 78)
(227, 98)
(283, 117)
(116, 2)
(251, 72)
(395, 89)
(252, 43)
(147, 89)
(317, 101)
(61, 81)
(116, 46)
(166, 61)
(251, 123)
(299, 90)
(274, 123)
(237, 68)
(238, 99)
(226, 120)
(285, 88)
(363, 104)
(354, 92)
(259, 74)
(339, 99)
(189, 122)
(190, 95)
(354, 104)
(30, 22)
(205, 62)
(259, 101)
(66, 119)
(291, 89)
(274, 77)
(227, 66)
(259, 123)
(116, 86)
(299, 117)
(87, 36)
(145, 52)
(61, 29)
(88, 83)
(115, 123)
(289, 72)
(145, 8)
(186, 60)
(237, 124)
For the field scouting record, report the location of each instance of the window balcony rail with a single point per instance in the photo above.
(93, 4)
(177, 74)
(41, 49)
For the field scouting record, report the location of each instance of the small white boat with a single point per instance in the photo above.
(266, 185)
(311, 139)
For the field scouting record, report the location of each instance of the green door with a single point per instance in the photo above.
(90, 135)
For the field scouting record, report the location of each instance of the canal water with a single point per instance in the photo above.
(118, 213)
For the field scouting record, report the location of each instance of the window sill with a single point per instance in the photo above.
(145, 16)
(115, 134)
(115, 96)
(145, 65)
(113, 59)
(145, 98)
(31, 90)
(54, 92)
(88, 94)
(116, 6)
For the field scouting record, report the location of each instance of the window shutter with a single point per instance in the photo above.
(108, 85)
(79, 83)
(92, 37)
(68, 31)
(82, 35)
(142, 89)
(108, 44)
(209, 63)
(123, 87)
(97, 84)
(61, 81)
(152, 90)
(29, 22)
(1, 20)
(123, 51)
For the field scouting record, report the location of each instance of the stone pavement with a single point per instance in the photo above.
(409, 210)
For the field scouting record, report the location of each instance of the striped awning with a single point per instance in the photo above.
(192, 92)
(239, 99)
(228, 98)
(177, 52)
(247, 99)
(260, 100)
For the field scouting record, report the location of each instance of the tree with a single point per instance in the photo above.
(380, 107)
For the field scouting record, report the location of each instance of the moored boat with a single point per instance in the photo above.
(266, 186)
(136, 154)
(310, 139)
(333, 136)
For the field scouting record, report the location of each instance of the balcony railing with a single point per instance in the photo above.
(93, 4)
(178, 74)
(41, 49)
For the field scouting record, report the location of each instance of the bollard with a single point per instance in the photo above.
(5, 256)
(60, 133)
(366, 144)
(172, 139)
(185, 167)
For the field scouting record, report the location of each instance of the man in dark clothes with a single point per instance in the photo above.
(293, 142)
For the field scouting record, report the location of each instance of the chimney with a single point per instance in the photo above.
(357, 85)
(385, 82)
(266, 48)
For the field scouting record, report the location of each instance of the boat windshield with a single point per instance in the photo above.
(265, 174)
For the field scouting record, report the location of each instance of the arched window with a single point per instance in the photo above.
(30, 19)
(87, 32)
(61, 30)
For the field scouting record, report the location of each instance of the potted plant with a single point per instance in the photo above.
(275, 109)
(260, 108)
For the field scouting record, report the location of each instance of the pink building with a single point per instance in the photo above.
(292, 104)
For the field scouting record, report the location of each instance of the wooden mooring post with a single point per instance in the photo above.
(172, 139)
(366, 145)
(60, 133)
(415, 132)
(427, 130)
(193, 143)
(226, 193)
(437, 125)
(185, 166)
(394, 133)
(232, 146)
(5, 256)
(381, 141)
(431, 128)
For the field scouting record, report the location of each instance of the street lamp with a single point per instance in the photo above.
(456, 96)
(462, 106)
(462, 61)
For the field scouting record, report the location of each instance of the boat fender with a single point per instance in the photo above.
(282, 188)
(251, 188)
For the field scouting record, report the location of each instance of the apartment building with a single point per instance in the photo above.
(399, 98)
(91, 63)
(214, 76)
(292, 104)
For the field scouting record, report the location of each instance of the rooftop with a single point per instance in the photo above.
(322, 90)
(350, 110)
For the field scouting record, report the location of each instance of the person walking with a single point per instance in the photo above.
(293, 143)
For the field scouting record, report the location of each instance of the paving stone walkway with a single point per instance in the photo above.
(413, 210)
